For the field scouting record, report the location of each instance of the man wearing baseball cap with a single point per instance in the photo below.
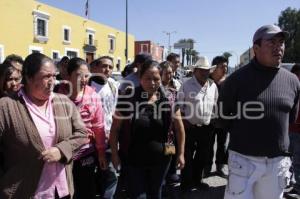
(256, 105)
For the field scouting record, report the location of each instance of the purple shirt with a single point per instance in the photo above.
(53, 175)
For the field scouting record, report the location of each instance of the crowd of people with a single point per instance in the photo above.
(69, 130)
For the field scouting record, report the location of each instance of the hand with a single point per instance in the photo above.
(116, 161)
(102, 162)
(180, 161)
(52, 154)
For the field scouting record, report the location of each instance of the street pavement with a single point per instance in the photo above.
(216, 190)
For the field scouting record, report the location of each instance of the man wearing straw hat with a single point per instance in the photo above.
(197, 98)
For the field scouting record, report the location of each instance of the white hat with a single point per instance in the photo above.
(203, 63)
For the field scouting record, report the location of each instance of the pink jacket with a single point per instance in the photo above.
(91, 112)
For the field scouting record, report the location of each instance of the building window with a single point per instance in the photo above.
(144, 48)
(41, 21)
(66, 34)
(112, 43)
(35, 49)
(55, 55)
(91, 39)
(41, 27)
(72, 52)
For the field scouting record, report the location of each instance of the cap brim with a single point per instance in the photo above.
(285, 35)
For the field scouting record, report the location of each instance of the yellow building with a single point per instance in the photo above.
(29, 26)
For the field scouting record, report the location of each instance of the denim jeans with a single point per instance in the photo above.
(109, 179)
(146, 182)
(256, 177)
(295, 150)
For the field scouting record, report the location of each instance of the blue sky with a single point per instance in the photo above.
(216, 25)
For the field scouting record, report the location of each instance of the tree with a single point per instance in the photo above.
(186, 52)
(227, 55)
(289, 20)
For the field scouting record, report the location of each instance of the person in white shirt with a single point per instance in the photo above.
(107, 88)
(197, 98)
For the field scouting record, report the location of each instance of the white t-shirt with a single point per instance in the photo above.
(109, 98)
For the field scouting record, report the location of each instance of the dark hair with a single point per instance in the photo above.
(98, 61)
(64, 59)
(128, 69)
(219, 59)
(258, 42)
(296, 68)
(6, 69)
(33, 64)
(163, 66)
(172, 56)
(13, 58)
(141, 58)
(148, 65)
(74, 64)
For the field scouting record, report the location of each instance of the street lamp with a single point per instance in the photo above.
(169, 39)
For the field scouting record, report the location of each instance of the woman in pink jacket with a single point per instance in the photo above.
(90, 108)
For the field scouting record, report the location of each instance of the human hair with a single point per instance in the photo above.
(33, 64)
(258, 42)
(172, 56)
(98, 61)
(64, 59)
(6, 70)
(163, 66)
(296, 68)
(219, 59)
(13, 58)
(148, 65)
(74, 64)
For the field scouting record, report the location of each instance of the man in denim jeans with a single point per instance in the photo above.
(256, 104)
(107, 88)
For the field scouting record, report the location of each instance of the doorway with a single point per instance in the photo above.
(89, 57)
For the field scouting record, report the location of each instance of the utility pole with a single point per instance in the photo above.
(126, 46)
(169, 39)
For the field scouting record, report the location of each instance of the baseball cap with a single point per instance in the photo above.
(268, 32)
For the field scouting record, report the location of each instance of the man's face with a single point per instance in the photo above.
(105, 68)
(221, 70)
(201, 75)
(176, 63)
(270, 52)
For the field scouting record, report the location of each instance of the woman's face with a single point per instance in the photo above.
(150, 81)
(80, 77)
(167, 74)
(13, 82)
(42, 83)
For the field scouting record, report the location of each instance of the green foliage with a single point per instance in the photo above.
(289, 20)
(227, 55)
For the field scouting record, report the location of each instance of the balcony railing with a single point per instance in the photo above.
(91, 42)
